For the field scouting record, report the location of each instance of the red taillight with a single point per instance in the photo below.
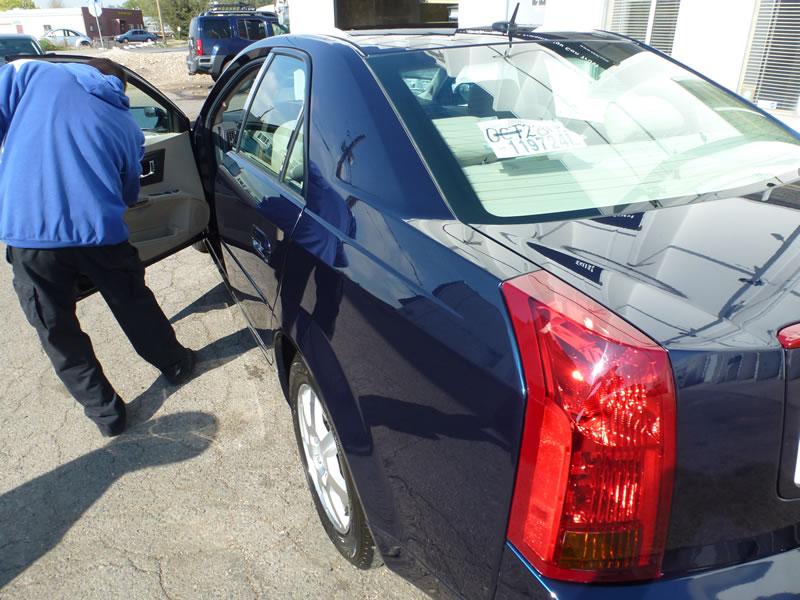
(594, 479)
(790, 336)
(199, 46)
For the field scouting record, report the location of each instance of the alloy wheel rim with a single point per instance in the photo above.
(322, 458)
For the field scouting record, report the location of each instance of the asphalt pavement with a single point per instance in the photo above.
(204, 497)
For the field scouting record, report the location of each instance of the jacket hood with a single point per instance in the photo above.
(106, 87)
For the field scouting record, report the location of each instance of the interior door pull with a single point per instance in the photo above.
(261, 243)
(151, 169)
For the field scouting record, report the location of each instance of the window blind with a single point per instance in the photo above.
(651, 21)
(772, 71)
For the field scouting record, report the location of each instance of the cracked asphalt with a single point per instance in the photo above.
(204, 496)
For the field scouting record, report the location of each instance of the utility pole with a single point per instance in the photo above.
(161, 22)
(97, 18)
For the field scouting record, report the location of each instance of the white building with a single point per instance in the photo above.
(37, 22)
(749, 46)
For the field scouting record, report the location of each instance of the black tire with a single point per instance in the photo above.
(222, 68)
(356, 545)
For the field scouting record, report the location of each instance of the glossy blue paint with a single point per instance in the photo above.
(774, 578)
(383, 313)
(396, 308)
(253, 219)
(720, 329)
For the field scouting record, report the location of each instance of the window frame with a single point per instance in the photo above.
(303, 121)
(254, 65)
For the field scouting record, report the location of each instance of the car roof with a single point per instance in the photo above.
(267, 16)
(16, 36)
(371, 42)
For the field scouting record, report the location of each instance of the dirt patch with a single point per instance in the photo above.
(165, 70)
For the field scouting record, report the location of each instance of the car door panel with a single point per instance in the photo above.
(172, 210)
(255, 217)
(256, 210)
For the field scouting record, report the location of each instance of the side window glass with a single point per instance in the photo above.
(230, 114)
(296, 168)
(252, 29)
(150, 114)
(257, 30)
(216, 29)
(274, 113)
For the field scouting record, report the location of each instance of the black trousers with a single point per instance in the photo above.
(46, 282)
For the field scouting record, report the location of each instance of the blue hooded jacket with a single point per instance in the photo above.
(71, 156)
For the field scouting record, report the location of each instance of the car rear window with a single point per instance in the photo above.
(215, 29)
(547, 130)
(17, 47)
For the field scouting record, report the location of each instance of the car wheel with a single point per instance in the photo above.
(85, 44)
(221, 69)
(327, 474)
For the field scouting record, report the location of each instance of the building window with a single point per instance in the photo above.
(772, 71)
(650, 21)
(371, 14)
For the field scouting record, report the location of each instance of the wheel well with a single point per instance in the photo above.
(285, 352)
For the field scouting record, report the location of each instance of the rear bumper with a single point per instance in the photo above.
(205, 64)
(772, 577)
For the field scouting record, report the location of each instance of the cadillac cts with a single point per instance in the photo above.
(532, 301)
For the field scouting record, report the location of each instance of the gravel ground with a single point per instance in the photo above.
(166, 71)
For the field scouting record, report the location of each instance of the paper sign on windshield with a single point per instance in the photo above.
(509, 138)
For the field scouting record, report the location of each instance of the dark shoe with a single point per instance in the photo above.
(181, 372)
(118, 426)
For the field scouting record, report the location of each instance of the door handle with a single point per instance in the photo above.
(151, 169)
(260, 243)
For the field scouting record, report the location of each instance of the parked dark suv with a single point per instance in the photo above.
(220, 33)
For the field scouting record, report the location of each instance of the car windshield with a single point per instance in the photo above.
(555, 129)
(15, 47)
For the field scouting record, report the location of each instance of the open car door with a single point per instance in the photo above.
(172, 211)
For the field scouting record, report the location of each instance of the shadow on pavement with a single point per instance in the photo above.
(35, 516)
(216, 298)
(217, 353)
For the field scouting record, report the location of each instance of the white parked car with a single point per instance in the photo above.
(68, 37)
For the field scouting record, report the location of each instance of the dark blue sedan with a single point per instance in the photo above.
(533, 302)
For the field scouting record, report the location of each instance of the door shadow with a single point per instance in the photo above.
(35, 516)
(216, 298)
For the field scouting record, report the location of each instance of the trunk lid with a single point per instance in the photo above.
(713, 283)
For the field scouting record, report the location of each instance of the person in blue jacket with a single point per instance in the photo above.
(69, 168)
